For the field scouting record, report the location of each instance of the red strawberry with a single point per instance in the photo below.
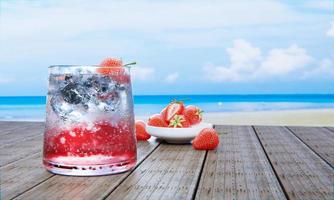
(179, 121)
(114, 68)
(157, 120)
(141, 133)
(174, 108)
(207, 139)
(163, 113)
(193, 114)
(112, 62)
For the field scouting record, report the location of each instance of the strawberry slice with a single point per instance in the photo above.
(114, 68)
(141, 133)
(157, 120)
(193, 114)
(207, 139)
(174, 108)
(179, 121)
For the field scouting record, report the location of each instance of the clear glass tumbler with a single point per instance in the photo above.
(89, 121)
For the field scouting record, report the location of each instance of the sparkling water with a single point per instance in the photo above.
(89, 122)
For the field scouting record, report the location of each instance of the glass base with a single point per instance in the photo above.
(89, 170)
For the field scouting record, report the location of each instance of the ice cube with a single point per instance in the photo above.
(107, 106)
(122, 87)
(71, 94)
(105, 85)
(74, 116)
(60, 107)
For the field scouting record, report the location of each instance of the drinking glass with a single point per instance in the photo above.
(89, 126)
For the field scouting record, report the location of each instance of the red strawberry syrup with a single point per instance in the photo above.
(101, 146)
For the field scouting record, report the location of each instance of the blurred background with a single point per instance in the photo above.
(182, 48)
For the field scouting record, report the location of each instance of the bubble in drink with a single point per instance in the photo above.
(90, 122)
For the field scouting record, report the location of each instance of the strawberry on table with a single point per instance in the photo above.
(179, 121)
(172, 109)
(193, 114)
(207, 139)
(157, 120)
(141, 133)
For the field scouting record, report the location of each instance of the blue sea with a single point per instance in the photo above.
(33, 107)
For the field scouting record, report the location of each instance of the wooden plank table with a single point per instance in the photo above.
(251, 162)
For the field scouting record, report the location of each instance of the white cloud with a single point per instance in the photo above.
(325, 69)
(320, 4)
(247, 64)
(142, 73)
(65, 19)
(171, 78)
(330, 32)
(284, 61)
(243, 55)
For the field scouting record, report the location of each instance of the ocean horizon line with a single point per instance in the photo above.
(33, 107)
(195, 98)
(197, 94)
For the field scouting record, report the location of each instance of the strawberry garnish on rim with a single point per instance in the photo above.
(114, 68)
(179, 121)
(207, 139)
(174, 108)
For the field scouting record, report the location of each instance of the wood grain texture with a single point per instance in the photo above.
(16, 132)
(7, 126)
(15, 151)
(303, 174)
(331, 129)
(22, 175)
(67, 187)
(238, 169)
(320, 140)
(273, 163)
(171, 172)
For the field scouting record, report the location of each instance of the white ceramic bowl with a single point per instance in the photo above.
(177, 135)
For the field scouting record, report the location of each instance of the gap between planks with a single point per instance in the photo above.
(227, 172)
(82, 183)
(311, 178)
(108, 193)
(199, 176)
(310, 147)
(271, 164)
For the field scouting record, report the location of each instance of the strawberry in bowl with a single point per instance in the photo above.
(172, 109)
(177, 123)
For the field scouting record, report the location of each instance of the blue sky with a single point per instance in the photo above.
(182, 47)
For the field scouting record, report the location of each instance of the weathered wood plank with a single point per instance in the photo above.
(6, 126)
(320, 140)
(20, 176)
(66, 187)
(331, 128)
(9, 126)
(20, 132)
(171, 172)
(303, 174)
(16, 151)
(238, 169)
